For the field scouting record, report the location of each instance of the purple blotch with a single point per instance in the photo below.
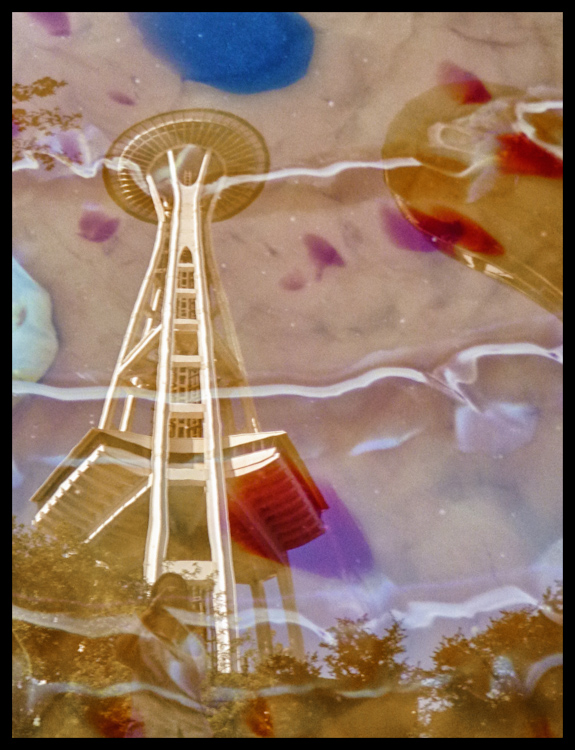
(293, 281)
(322, 254)
(56, 24)
(70, 146)
(15, 129)
(96, 226)
(342, 552)
(403, 234)
(121, 98)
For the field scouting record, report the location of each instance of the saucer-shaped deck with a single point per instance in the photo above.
(237, 149)
(490, 188)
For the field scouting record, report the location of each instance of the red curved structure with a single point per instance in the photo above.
(275, 508)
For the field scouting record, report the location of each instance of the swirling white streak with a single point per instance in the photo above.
(113, 691)
(102, 627)
(537, 670)
(97, 393)
(377, 692)
(331, 170)
(535, 673)
(88, 171)
(460, 369)
(418, 615)
(382, 443)
(93, 627)
(250, 617)
(523, 126)
(221, 694)
(422, 614)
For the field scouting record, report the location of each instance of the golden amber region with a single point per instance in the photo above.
(490, 186)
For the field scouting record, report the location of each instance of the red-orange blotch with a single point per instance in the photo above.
(450, 228)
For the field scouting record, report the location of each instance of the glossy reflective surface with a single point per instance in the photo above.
(423, 396)
(490, 187)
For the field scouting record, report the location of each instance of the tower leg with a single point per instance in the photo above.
(158, 524)
(295, 635)
(191, 234)
(263, 629)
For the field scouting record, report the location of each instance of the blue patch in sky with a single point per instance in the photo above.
(243, 53)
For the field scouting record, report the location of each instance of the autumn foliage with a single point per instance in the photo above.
(32, 126)
(504, 681)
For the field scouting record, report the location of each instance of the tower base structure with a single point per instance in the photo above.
(101, 493)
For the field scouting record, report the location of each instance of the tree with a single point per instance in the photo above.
(63, 576)
(240, 710)
(32, 128)
(305, 704)
(506, 680)
(359, 658)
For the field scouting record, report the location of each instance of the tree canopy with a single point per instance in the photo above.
(505, 680)
(32, 126)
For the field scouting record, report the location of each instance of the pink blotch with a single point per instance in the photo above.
(465, 87)
(15, 129)
(120, 98)
(56, 24)
(322, 254)
(96, 226)
(404, 234)
(293, 281)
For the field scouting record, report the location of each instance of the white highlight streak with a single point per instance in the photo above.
(329, 171)
(382, 443)
(448, 377)
(537, 670)
(102, 627)
(96, 393)
(423, 614)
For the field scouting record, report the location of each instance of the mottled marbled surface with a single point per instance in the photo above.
(445, 519)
